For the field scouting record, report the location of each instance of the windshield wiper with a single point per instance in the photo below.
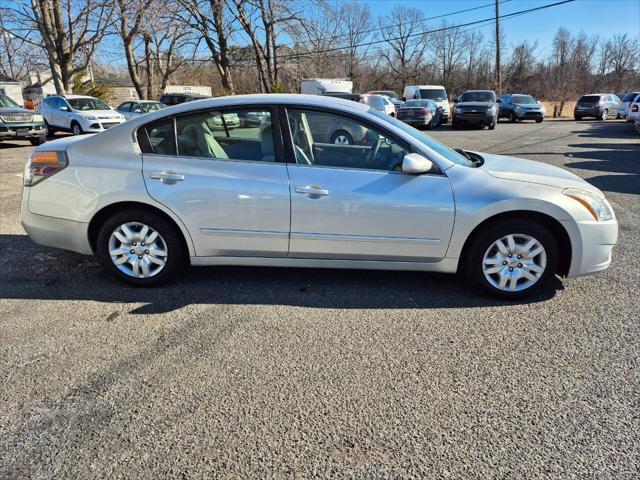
(476, 159)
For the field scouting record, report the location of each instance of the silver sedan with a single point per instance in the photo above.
(166, 190)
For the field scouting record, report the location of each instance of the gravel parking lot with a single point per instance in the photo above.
(263, 372)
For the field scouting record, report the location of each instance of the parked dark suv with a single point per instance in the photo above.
(476, 107)
(17, 123)
(178, 98)
(598, 105)
(518, 106)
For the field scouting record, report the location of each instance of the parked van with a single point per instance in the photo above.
(437, 93)
(322, 86)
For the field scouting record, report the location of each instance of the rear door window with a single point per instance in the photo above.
(237, 134)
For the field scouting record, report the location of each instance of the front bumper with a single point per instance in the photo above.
(96, 126)
(19, 131)
(529, 115)
(475, 118)
(592, 244)
(54, 232)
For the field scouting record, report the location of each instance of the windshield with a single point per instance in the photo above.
(436, 94)
(6, 102)
(152, 107)
(522, 99)
(87, 104)
(478, 97)
(426, 140)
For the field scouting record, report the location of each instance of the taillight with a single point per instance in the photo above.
(41, 165)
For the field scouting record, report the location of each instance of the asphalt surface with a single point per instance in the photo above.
(276, 373)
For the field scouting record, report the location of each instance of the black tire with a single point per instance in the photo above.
(604, 115)
(492, 126)
(73, 129)
(342, 133)
(478, 246)
(37, 141)
(577, 117)
(512, 117)
(50, 129)
(454, 125)
(539, 120)
(176, 260)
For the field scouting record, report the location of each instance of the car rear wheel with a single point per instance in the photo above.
(604, 115)
(512, 259)
(140, 248)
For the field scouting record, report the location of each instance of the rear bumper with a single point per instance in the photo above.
(588, 112)
(54, 232)
(592, 244)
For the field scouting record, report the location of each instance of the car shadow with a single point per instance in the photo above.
(32, 272)
(609, 129)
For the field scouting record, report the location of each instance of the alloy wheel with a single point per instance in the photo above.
(76, 129)
(514, 262)
(341, 140)
(138, 250)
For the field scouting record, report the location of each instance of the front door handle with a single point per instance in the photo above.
(167, 177)
(313, 191)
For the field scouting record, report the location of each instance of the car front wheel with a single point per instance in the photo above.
(140, 248)
(512, 259)
(76, 129)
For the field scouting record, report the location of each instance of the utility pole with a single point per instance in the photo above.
(498, 76)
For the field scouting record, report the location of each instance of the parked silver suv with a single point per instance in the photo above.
(597, 105)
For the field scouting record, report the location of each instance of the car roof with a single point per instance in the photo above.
(466, 91)
(75, 96)
(426, 86)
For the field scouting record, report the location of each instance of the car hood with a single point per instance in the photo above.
(527, 105)
(99, 113)
(8, 111)
(475, 104)
(513, 168)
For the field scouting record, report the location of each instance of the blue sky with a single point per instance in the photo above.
(595, 17)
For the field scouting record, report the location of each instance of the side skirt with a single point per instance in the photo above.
(446, 265)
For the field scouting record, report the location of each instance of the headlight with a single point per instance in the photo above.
(518, 107)
(493, 109)
(596, 205)
(38, 118)
(90, 117)
(457, 110)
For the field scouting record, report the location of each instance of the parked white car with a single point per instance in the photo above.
(634, 107)
(163, 191)
(437, 93)
(380, 103)
(78, 114)
(623, 109)
(136, 108)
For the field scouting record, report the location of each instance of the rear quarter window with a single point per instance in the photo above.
(158, 137)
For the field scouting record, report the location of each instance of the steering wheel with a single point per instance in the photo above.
(374, 150)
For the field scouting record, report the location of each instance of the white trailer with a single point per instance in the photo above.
(322, 86)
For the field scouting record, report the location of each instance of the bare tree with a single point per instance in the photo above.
(624, 57)
(355, 20)
(68, 31)
(210, 21)
(406, 43)
(132, 14)
(449, 47)
(262, 21)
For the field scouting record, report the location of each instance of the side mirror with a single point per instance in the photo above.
(415, 163)
(64, 109)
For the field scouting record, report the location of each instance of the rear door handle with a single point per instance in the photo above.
(167, 177)
(313, 191)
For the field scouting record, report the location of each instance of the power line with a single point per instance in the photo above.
(442, 29)
(398, 25)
